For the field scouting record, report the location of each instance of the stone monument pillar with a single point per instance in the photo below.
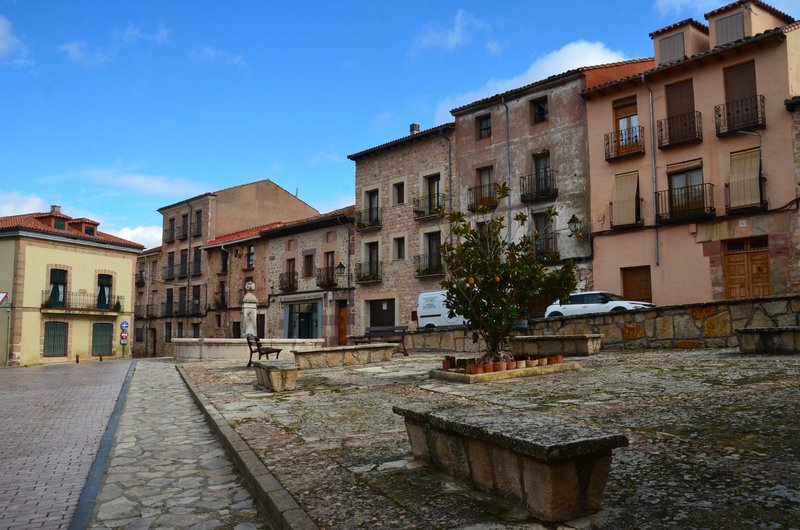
(249, 303)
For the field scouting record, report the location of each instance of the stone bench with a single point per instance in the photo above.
(276, 376)
(558, 469)
(567, 345)
(782, 340)
(344, 355)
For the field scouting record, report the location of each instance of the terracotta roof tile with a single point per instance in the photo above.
(248, 233)
(409, 138)
(687, 22)
(32, 222)
(766, 7)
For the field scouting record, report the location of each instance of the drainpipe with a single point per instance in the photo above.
(652, 160)
(449, 183)
(508, 169)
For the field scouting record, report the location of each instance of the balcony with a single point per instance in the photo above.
(539, 186)
(746, 196)
(690, 203)
(169, 235)
(628, 213)
(545, 248)
(742, 115)
(167, 309)
(196, 307)
(76, 302)
(140, 280)
(428, 265)
(625, 142)
(181, 308)
(169, 272)
(427, 207)
(195, 268)
(181, 270)
(220, 300)
(482, 197)
(140, 311)
(197, 229)
(151, 310)
(681, 129)
(369, 219)
(326, 277)
(182, 232)
(369, 272)
(287, 281)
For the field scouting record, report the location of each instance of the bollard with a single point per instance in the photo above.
(101, 358)
(77, 359)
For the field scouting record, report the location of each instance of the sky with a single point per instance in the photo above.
(112, 109)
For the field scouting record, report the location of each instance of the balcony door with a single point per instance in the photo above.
(680, 112)
(741, 103)
(626, 123)
(381, 312)
(686, 192)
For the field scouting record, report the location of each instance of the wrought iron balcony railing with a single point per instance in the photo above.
(369, 271)
(195, 268)
(628, 213)
(151, 310)
(169, 235)
(140, 310)
(197, 229)
(746, 196)
(140, 279)
(539, 186)
(680, 129)
(53, 299)
(685, 204)
(220, 300)
(169, 272)
(545, 248)
(428, 205)
(482, 196)
(428, 265)
(181, 269)
(182, 232)
(326, 277)
(624, 142)
(742, 115)
(287, 281)
(369, 219)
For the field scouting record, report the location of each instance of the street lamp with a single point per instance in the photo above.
(340, 268)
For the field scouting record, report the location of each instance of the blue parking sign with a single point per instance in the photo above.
(124, 324)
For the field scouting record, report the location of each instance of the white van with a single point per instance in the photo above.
(433, 313)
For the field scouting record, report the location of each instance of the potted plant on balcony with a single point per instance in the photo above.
(492, 276)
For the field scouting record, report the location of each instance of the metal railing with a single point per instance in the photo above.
(140, 310)
(169, 271)
(637, 219)
(746, 195)
(539, 186)
(545, 248)
(624, 142)
(182, 232)
(428, 265)
(197, 229)
(195, 268)
(368, 219)
(220, 300)
(369, 271)
(428, 205)
(741, 115)
(482, 196)
(169, 235)
(685, 204)
(287, 281)
(81, 301)
(326, 277)
(680, 129)
(182, 269)
(140, 279)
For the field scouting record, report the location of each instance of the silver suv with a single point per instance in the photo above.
(592, 302)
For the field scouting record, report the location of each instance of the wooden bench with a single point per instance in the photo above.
(557, 469)
(263, 351)
(394, 334)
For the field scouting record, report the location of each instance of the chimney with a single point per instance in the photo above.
(55, 208)
(413, 129)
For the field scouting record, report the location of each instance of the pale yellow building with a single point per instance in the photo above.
(70, 288)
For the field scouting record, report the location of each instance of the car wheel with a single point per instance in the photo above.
(555, 314)
(618, 310)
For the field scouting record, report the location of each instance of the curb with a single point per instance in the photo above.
(282, 511)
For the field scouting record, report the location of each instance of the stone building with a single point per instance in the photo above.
(70, 288)
(147, 274)
(533, 138)
(180, 298)
(693, 172)
(400, 185)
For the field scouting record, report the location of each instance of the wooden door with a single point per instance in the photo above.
(381, 312)
(636, 284)
(680, 112)
(341, 325)
(735, 267)
(746, 268)
(740, 82)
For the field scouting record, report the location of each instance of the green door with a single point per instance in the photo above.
(102, 337)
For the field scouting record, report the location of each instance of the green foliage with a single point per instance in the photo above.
(491, 279)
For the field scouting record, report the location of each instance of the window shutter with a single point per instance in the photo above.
(671, 48)
(683, 167)
(744, 182)
(625, 191)
(730, 28)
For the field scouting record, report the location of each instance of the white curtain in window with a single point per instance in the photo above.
(744, 185)
(625, 191)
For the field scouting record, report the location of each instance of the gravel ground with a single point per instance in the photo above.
(715, 439)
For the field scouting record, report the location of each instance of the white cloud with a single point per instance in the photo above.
(495, 47)
(15, 203)
(325, 156)
(79, 53)
(134, 33)
(149, 236)
(450, 38)
(13, 52)
(122, 181)
(573, 55)
(207, 54)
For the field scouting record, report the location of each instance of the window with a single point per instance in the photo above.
(539, 110)
(730, 28)
(138, 333)
(237, 330)
(541, 170)
(198, 256)
(223, 261)
(372, 267)
(483, 126)
(302, 321)
(196, 331)
(250, 258)
(170, 272)
(195, 308)
(60, 224)
(544, 235)
(681, 125)
(372, 207)
(103, 291)
(102, 338)
(433, 247)
(55, 339)
(745, 183)
(88, 230)
(398, 193)
(58, 288)
(625, 208)
(671, 49)
(399, 248)
(183, 266)
(180, 330)
(686, 187)
(330, 236)
(182, 302)
(308, 265)
(432, 188)
(626, 124)
(222, 298)
(291, 244)
(167, 331)
(168, 305)
(219, 320)
(198, 223)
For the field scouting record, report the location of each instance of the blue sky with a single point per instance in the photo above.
(113, 109)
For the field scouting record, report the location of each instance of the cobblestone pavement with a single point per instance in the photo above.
(715, 441)
(167, 470)
(53, 418)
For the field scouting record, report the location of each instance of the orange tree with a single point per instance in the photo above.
(491, 279)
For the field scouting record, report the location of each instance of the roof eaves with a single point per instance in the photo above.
(399, 141)
(686, 22)
(766, 7)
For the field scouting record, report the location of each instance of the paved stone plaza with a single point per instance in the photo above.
(714, 439)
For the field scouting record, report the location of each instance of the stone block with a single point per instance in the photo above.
(759, 319)
(632, 331)
(717, 326)
(334, 358)
(664, 328)
(507, 472)
(349, 358)
(459, 460)
(741, 310)
(775, 307)
(480, 460)
(701, 313)
(418, 439)
(317, 360)
(685, 327)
